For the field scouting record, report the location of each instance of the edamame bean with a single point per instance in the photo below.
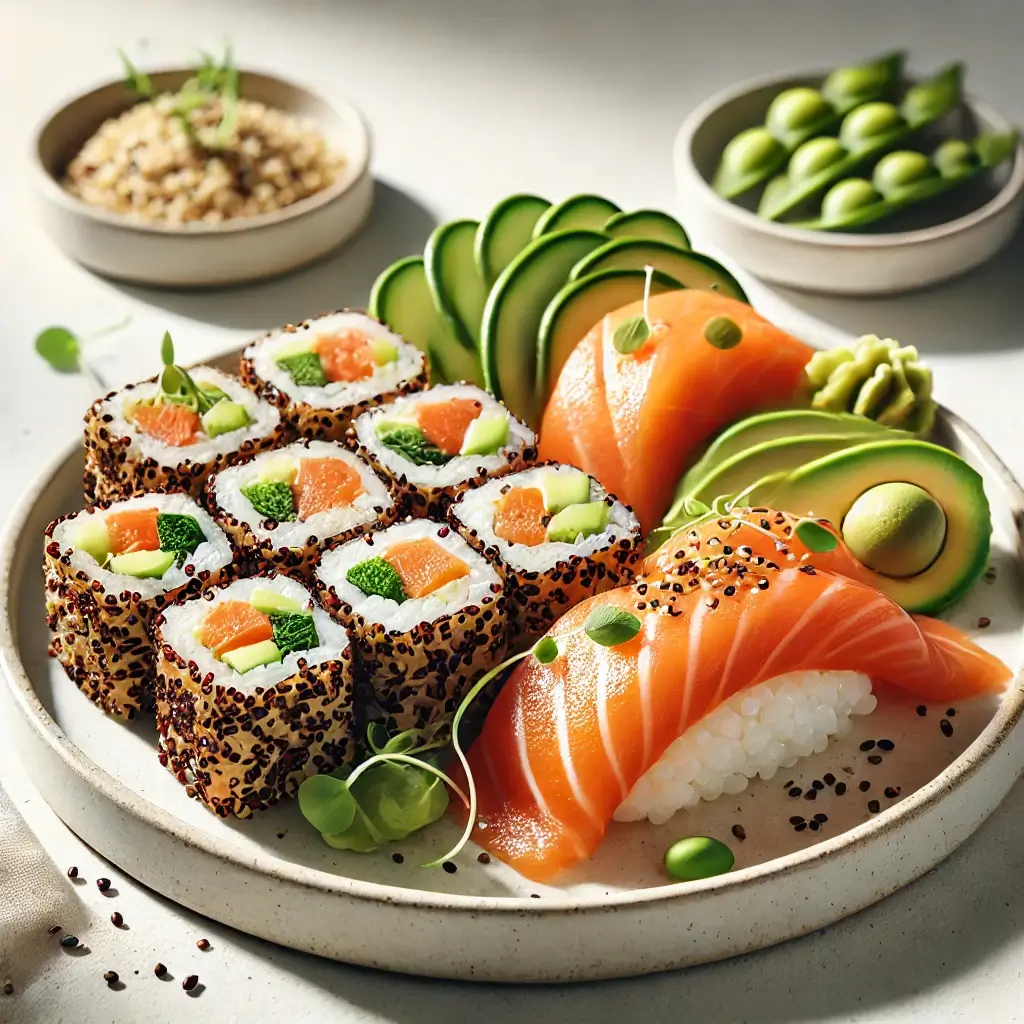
(929, 100)
(846, 88)
(698, 857)
(814, 156)
(953, 155)
(795, 110)
(898, 170)
(868, 122)
(751, 149)
(846, 196)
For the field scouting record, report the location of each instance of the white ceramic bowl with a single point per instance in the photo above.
(197, 254)
(833, 262)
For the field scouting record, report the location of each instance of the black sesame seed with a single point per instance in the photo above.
(865, 786)
(116, 919)
(984, 622)
(830, 779)
(946, 726)
(190, 982)
(815, 825)
(449, 867)
(891, 792)
(796, 819)
(922, 710)
(72, 871)
(795, 791)
(203, 944)
(886, 745)
(868, 745)
(534, 895)
(786, 785)
(875, 759)
(800, 827)
(484, 858)
(811, 794)
(874, 806)
(68, 941)
(103, 884)
(739, 832)
(159, 970)
(821, 818)
(818, 784)
(111, 977)
(840, 788)
(56, 928)
(8, 988)
(951, 712)
(397, 858)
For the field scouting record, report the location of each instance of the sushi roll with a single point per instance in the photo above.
(556, 536)
(108, 572)
(254, 693)
(428, 615)
(143, 437)
(434, 445)
(282, 507)
(323, 373)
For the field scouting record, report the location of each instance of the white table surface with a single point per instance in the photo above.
(471, 100)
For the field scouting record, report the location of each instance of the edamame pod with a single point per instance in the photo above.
(865, 133)
(798, 114)
(907, 177)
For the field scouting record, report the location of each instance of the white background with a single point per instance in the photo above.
(470, 101)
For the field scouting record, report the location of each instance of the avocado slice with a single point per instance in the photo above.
(245, 659)
(92, 538)
(830, 487)
(401, 298)
(690, 269)
(579, 306)
(458, 287)
(142, 564)
(770, 426)
(505, 232)
(560, 490)
(652, 224)
(582, 211)
(224, 417)
(515, 307)
(383, 351)
(574, 521)
(486, 434)
(265, 600)
(279, 469)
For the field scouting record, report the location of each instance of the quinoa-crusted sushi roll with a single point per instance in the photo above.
(556, 536)
(324, 372)
(282, 507)
(173, 431)
(434, 445)
(254, 693)
(108, 572)
(428, 615)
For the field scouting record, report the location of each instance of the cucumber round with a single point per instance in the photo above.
(653, 224)
(505, 233)
(401, 298)
(691, 269)
(582, 211)
(455, 282)
(515, 307)
(580, 305)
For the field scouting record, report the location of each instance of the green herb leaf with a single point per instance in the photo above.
(305, 369)
(610, 626)
(375, 576)
(409, 442)
(294, 631)
(137, 81)
(60, 348)
(545, 650)
(272, 499)
(179, 533)
(376, 736)
(695, 508)
(167, 349)
(815, 537)
(631, 334)
(327, 804)
(722, 332)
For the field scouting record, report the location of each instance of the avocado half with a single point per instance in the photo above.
(828, 487)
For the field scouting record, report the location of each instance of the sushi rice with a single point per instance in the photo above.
(326, 412)
(121, 460)
(421, 655)
(241, 741)
(294, 546)
(545, 580)
(101, 619)
(429, 490)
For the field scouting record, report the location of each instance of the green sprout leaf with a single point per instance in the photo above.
(631, 334)
(327, 804)
(60, 348)
(137, 81)
(695, 508)
(545, 650)
(815, 537)
(610, 626)
(167, 349)
(722, 333)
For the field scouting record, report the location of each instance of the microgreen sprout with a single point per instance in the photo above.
(634, 332)
(65, 351)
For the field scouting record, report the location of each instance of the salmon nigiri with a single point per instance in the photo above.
(754, 665)
(636, 421)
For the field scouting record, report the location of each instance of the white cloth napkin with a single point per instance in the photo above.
(34, 896)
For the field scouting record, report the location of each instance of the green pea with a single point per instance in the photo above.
(848, 85)
(954, 155)
(722, 332)
(847, 196)
(753, 148)
(867, 122)
(898, 170)
(794, 109)
(698, 857)
(814, 156)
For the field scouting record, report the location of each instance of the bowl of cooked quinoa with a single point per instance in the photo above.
(201, 177)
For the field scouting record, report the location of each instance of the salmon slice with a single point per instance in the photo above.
(520, 516)
(565, 743)
(424, 566)
(610, 414)
(171, 423)
(445, 423)
(345, 357)
(323, 484)
(233, 624)
(132, 529)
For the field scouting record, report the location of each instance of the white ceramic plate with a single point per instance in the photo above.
(617, 915)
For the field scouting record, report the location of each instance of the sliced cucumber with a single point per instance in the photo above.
(515, 307)
(505, 233)
(583, 211)
(401, 298)
(580, 305)
(652, 224)
(690, 269)
(455, 282)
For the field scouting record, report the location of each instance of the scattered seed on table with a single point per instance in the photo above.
(450, 867)
(786, 785)
(111, 978)
(484, 858)
(8, 988)
(203, 944)
(947, 727)
(796, 819)
(818, 784)
(875, 759)
(822, 818)
(922, 710)
(534, 895)
(116, 919)
(795, 791)
(159, 970)
(69, 941)
(886, 745)
(891, 792)
(811, 794)
(815, 825)
(840, 788)
(800, 827)
(951, 712)
(874, 806)
(865, 786)
(190, 982)
(397, 858)
(72, 871)
(103, 884)
(739, 832)
(984, 622)
(830, 779)
(56, 928)
(867, 745)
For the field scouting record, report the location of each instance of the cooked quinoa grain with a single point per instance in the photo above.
(144, 165)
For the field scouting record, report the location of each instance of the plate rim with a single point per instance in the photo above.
(987, 745)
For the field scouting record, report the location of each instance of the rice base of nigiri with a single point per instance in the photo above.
(754, 733)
